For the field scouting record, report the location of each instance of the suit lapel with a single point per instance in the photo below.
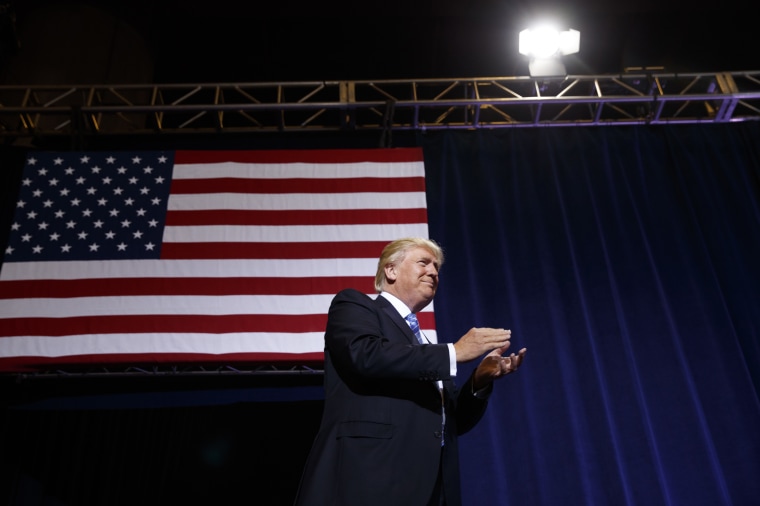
(400, 323)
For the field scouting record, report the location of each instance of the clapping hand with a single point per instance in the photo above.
(495, 365)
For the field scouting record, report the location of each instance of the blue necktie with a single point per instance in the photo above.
(411, 319)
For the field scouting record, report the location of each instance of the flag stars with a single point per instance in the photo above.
(57, 188)
(37, 249)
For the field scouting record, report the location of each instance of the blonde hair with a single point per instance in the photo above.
(395, 251)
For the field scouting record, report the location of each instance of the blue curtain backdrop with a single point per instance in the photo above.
(627, 261)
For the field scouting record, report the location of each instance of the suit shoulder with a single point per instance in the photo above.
(352, 294)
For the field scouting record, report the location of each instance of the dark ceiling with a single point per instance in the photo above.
(168, 41)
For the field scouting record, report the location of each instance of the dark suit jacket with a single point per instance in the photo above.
(379, 441)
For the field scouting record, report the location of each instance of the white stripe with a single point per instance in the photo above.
(296, 201)
(336, 170)
(166, 305)
(266, 234)
(215, 344)
(97, 344)
(139, 305)
(309, 268)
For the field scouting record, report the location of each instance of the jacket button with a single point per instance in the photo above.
(437, 434)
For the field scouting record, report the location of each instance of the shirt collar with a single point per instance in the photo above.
(402, 308)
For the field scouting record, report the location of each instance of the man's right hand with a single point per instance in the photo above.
(478, 341)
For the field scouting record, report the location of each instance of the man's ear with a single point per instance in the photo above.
(390, 272)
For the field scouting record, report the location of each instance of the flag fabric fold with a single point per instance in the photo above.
(169, 257)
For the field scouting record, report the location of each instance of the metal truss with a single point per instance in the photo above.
(169, 371)
(631, 98)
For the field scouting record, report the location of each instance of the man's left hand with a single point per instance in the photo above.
(494, 366)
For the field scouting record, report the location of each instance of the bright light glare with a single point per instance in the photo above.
(569, 42)
(546, 42)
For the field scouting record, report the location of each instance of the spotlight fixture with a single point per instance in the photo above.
(545, 46)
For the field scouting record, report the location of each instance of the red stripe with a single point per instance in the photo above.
(182, 286)
(137, 324)
(316, 217)
(293, 250)
(427, 320)
(28, 363)
(205, 324)
(299, 185)
(304, 156)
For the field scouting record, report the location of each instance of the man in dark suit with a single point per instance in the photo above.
(392, 413)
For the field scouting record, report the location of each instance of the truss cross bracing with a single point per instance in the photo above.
(423, 104)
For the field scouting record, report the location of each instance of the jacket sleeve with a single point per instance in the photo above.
(470, 408)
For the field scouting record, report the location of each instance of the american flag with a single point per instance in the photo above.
(196, 256)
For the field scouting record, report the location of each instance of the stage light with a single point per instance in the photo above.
(545, 46)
